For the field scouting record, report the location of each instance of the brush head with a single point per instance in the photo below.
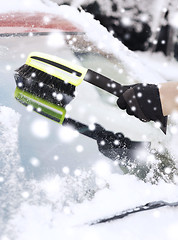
(48, 84)
(44, 85)
(49, 77)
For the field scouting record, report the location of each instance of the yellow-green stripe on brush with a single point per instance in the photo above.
(57, 67)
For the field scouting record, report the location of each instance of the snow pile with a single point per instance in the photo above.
(9, 121)
(25, 5)
(48, 219)
(11, 174)
(101, 37)
(167, 68)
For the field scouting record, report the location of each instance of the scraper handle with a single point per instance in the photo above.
(103, 82)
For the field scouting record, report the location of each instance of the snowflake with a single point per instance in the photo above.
(79, 148)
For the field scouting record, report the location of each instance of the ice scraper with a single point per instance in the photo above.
(48, 83)
(59, 78)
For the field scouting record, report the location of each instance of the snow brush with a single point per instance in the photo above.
(42, 91)
(59, 78)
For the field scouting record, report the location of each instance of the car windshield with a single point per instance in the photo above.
(74, 48)
(53, 178)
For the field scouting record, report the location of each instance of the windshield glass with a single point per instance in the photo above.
(53, 179)
(75, 48)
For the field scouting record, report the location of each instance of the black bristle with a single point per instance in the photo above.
(44, 85)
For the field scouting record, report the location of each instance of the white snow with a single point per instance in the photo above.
(167, 68)
(70, 221)
(67, 134)
(60, 205)
(9, 122)
(40, 128)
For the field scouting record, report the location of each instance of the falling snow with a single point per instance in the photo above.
(52, 180)
(40, 128)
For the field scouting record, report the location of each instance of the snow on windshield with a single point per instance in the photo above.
(54, 181)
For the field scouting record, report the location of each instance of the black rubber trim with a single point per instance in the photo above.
(58, 65)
